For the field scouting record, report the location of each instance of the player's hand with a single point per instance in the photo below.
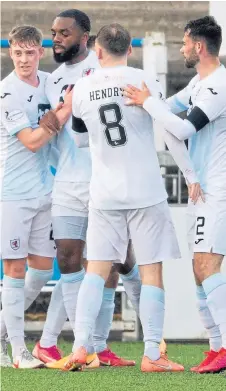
(135, 95)
(195, 192)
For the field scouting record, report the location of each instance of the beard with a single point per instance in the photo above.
(192, 61)
(67, 55)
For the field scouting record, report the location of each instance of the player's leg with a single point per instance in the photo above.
(15, 239)
(207, 242)
(154, 241)
(106, 242)
(69, 233)
(207, 269)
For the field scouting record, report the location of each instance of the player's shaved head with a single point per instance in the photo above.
(115, 39)
(81, 19)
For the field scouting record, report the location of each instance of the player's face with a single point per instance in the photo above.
(189, 51)
(68, 39)
(25, 58)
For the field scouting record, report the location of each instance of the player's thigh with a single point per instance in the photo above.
(153, 234)
(129, 262)
(70, 235)
(16, 221)
(210, 226)
(40, 240)
(107, 236)
(191, 227)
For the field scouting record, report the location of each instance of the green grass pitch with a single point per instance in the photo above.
(118, 379)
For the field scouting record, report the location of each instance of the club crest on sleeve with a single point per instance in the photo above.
(15, 244)
(88, 71)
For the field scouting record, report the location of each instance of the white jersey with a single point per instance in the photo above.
(74, 165)
(207, 147)
(24, 174)
(125, 168)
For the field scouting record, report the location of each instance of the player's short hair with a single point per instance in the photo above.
(115, 39)
(91, 41)
(81, 19)
(206, 28)
(25, 34)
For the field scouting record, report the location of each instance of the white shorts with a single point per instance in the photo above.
(70, 199)
(26, 228)
(150, 229)
(206, 226)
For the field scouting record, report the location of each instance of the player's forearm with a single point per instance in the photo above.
(64, 114)
(182, 129)
(181, 156)
(34, 139)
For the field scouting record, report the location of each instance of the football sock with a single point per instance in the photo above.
(70, 287)
(55, 319)
(207, 320)
(104, 320)
(88, 307)
(132, 285)
(152, 309)
(13, 312)
(215, 289)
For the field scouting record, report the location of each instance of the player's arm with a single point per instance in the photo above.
(208, 107)
(81, 135)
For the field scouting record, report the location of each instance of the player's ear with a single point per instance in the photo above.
(199, 46)
(41, 52)
(10, 52)
(129, 50)
(85, 38)
(99, 52)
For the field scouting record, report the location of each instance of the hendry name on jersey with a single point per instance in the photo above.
(105, 93)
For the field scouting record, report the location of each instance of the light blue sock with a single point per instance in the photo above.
(55, 319)
(13, 312)
(132, 285)
(70, 287)
(215, 289)
(104, 320)
(207, 320)
(35, 279)
(152, 310)
(88, 307)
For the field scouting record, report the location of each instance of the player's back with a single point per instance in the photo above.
(125, 168)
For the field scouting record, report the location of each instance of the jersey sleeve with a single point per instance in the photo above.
(78, 125)
(13, 116)
(180, 101)
(210, 104)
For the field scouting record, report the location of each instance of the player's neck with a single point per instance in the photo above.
(110, 63)
(32, 80)
(79, 57)
(207, 66)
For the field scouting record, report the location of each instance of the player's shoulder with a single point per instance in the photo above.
(56, 74)
(8, 88)
(215, 84)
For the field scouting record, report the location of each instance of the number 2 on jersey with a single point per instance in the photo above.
(115, 124)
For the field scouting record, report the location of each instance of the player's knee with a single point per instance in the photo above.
(15, 268)
(205, 264)
(69, 258)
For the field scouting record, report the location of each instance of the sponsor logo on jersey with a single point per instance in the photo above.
(14, 115)
(30, 98)
(56, 82)
(5, 94)
(198, 241)
(212, 91)
(15, 244)
(88, 71)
